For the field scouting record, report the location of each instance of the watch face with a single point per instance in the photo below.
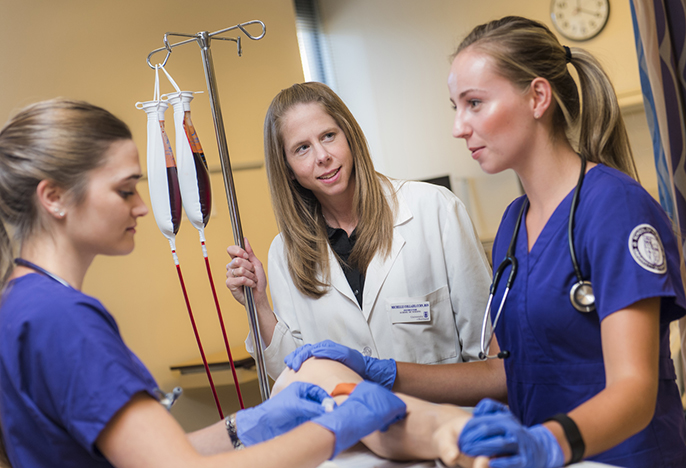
(579, 20)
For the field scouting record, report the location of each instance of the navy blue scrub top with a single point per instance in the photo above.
(556, 360)
(64, 373)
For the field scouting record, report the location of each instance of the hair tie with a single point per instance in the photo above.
(568, 54)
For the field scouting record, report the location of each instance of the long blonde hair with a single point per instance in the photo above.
(298, 212)
(59, 140)
(524, 49)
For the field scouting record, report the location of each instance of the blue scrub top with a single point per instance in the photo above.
(64, 373)
(556, 360)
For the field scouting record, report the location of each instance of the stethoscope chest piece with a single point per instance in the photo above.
(582, 297)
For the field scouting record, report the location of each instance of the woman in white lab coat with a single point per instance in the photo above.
(391, 268)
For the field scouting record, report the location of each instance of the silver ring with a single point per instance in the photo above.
(233, 272)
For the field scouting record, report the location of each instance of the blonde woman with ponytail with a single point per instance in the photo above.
(580, 350)
(586, 380)
(393, 269)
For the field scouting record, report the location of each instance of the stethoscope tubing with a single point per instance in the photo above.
(510, 259)
(25, 263)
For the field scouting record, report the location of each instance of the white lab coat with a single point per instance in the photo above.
(436, 257)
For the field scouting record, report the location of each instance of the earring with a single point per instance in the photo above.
(59, 212)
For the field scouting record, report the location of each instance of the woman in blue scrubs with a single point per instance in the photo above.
(72, 394)
(602, 372)
(587, 373)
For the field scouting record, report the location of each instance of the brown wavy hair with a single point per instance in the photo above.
(298, 212)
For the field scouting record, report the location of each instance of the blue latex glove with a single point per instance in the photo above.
(488, 406)
(370, 407)
(294, 405)
(500, 434)
(381, 371)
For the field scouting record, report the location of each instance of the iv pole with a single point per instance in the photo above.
(204, 39)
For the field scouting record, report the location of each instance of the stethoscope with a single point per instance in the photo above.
(581, 295)
(25, 263)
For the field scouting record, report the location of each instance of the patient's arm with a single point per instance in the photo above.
(410, 439)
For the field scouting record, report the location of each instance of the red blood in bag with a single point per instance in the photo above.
(174, 196)
(204, 189)
(202, 174)
(172, 181)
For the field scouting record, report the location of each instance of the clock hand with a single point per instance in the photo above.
(592, 13)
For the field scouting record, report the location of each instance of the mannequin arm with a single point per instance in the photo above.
(413, 438)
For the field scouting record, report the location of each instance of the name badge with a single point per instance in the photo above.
(410, 312)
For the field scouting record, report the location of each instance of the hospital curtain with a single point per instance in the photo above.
(660, 33)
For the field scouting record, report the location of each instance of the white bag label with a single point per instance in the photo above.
(410, 312)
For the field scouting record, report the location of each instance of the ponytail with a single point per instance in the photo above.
(602, 134)
(6, 255)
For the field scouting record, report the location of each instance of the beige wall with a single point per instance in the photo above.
(95, 50)
(391, 62)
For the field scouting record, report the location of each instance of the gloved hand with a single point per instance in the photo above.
(296, 404)
(488, 406)
(381, 371)
(500, 434)
(369, 408)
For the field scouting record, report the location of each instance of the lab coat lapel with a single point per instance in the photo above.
(378, 269)
(338, 279)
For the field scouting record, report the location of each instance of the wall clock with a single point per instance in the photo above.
(579, 20)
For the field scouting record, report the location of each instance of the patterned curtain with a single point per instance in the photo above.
(660, 32)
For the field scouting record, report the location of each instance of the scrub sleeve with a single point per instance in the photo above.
(64, 371)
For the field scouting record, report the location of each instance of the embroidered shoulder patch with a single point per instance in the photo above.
(646, 248)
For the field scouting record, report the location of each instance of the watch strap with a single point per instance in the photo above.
(573, 436)
(233, 432)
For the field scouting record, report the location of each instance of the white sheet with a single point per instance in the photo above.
(359, 456)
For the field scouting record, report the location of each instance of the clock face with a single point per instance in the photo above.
(579, 20)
